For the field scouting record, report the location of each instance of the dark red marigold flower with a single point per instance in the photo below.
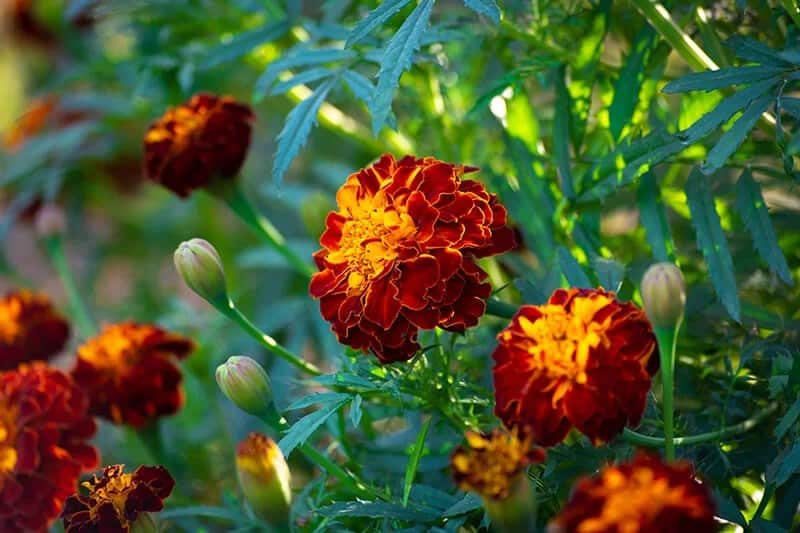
(643, 495)
(131, 373)
(400, 254)
(583, 359)
(194, 143)
(490, 464)
(30, 329)
(44, 448)
(118, 501)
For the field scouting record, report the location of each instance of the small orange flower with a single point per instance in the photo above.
(37, 116)
(203, 139)
(583, 359)
(400, 254)
(643, 495)
(44, 448)
(30, 329)
(130, 372)
(118, 501)
(489, 464)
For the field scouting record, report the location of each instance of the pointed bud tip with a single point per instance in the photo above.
(199, 265)
(664, 294)
(264, 478)
(244, 382)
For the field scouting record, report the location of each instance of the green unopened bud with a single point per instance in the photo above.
(264, 477)
(246, 384)
(664, 295)
(200, 267)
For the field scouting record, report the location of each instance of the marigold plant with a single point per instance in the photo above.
(30, 329)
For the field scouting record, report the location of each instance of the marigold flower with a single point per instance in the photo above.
(118, 501)
(399, 254)
(130, 372)
(489, 463)
(30, 329)
(264, 477)
(643, 495)
(44, 433)
(194, 143)
(583, 359)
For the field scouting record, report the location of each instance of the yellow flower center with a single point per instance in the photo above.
(490, 465)
(370, 238)
(112, 351)
(116, 491)
(560, 341)
(10, 326)
(632, 502)
(8, 452)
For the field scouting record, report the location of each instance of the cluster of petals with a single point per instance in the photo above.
(30, 329)
(44, 448)
(201, 140)
(399, 254)
(117, 500)
(131, 373)
(584, 359)
(645, 494)
(490, 464)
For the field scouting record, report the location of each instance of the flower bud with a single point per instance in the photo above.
(264, 478)
(49, 221)
(200, 267)
(664, 295)
(246, 384)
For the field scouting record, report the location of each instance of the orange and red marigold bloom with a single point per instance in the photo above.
(204, 139)
(400, 254)
(44, 448)
(30, 329)
(131, 373)
(490, 464)
(117, 501)
(642, 495)
(583, 359)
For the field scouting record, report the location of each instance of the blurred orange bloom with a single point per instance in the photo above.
(643, 495)
(30, 329)
(36, 117)
(194, 143)
(44, 433)
(118, 501)
(400, 254)
(131, 374)
(489, 464)
(583, 359)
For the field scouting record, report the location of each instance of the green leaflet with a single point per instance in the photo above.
(654, 218)
(733, 138)
(413, 460)
(712, 243)
(243, 44)
(300, 58)
(572, 270)
(724, 77)
(561, 134)
(751, 207)
(306, 426)
(629, 83)
(485, 7)
(374, 18)
(397, 58)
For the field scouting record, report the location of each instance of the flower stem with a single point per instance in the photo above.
(666, 337)
(712, 436)
(231, 194)
(266, 341)
(500, 309)
(54, 247)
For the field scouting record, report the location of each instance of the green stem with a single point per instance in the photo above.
(231, 194)
(712, 436)
(666, 337)
(500, 309)
(151, 439)
(266, 341)
(54, 246)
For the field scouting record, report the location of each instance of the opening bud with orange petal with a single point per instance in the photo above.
(264, 478)
(664, 295)
(494, 466)
(199, 265)
(246, 384)
(118, 501)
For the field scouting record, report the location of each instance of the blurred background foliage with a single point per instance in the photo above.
(584, 116)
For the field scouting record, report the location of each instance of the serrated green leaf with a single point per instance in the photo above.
(572, 270)
(724, 77)
(654, 218)
(711, 241)
(561, 134)
(243, 43)
(306, 426)
(485, 7)
(299, 59)
(295, 131)
(752, 50)
(788, 420)
(360, 85)
(733, 138)
(379, 510)
(396, 59)
(791, 105)
(385, 10)
(630, 80)
(317, 397)
(467, 504)
(413, 460)
(727, 509)
(355, 411)
(753, 210)
(307, 76)
(609, 273)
